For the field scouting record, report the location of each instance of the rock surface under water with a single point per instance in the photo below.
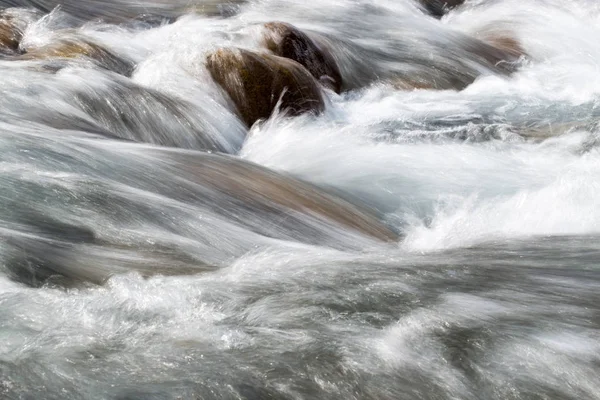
(427, 229)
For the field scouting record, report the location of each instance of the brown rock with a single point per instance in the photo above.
(10, 35)
(256, 82)
(413, 83)
(73, 48)
(501, 51)
(505, 42)
(285, 40)
(245, 194)
(240, 184)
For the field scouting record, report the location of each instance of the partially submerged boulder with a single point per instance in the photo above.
(285, 40)
(142, 114)
(506, 46)
(214, 8)
(81, 48)
(256, 82)
(413, 83)
(11, 33)
(266, 201)
(167, 211)
(501, 53)
(498, 53)
(449, 62)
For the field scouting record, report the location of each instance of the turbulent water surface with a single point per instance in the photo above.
(405, 243)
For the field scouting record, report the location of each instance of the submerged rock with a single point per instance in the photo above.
(505, 47)
(303, 210)
(215, 8)
(256, 82)
(141, 114)
(499, 54)
(129, 210)
(412, 83)
(287, 41)
(79, 48)
(438, 8)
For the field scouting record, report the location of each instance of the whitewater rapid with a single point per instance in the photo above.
(152, 245)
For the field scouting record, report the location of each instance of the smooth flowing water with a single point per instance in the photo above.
(151, 247)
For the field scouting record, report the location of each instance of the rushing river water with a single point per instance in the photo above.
(402, 244)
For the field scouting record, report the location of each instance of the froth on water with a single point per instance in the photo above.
(288, 200)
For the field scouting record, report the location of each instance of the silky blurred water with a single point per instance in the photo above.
(133, 264)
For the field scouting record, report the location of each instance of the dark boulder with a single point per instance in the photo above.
(256, 82)
(285, 40)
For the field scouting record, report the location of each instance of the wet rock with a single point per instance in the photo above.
(84, 49)
(256, 82)
(285, 40)
(435, 78)
(499, 54)
(11, 33)
(447, 62)
(89, 231)
(41, 261)
(32, 258)
(416, 82)
(9, 37)
(275, 204)
(506, 43)
(145, 115)
(215, 8)
(438, 8)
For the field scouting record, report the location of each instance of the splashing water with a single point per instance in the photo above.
(433, 242)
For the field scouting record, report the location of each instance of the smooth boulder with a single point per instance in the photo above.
(256, 82)
(285, 40)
